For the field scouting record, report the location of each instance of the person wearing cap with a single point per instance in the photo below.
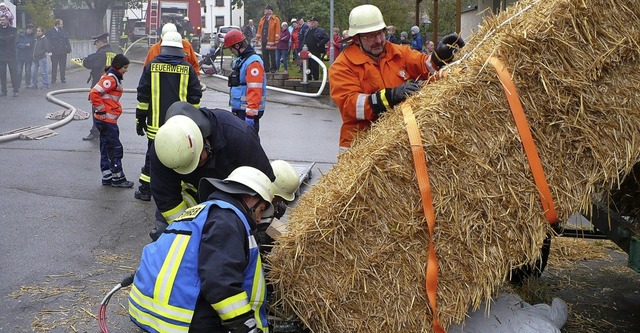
(247, 81)
(316, 39)
(282, 50)
(105, 97)
(295, 30)
(416, 38)
(267, 35)
(205, 273)
(196, 143)
(189, 54)
(96, 62)
(371, 76)
(404, 39)
(24, 44)
(60, 47)
(166, 79)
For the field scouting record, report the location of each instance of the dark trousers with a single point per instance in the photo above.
(269, 60)
(26, 65)
(111, 151)
(15, 83)
(243, 115)
(314, 68)
(58, 60)
(145, 187)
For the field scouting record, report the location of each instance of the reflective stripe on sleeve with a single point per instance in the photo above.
(233, 306)
(360, 103)
(173, 213)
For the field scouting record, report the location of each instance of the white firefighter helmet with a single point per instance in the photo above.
(287, 180)
(243, 180)
(365, 18)
(179, 144)
(172, 39)
(168, 27)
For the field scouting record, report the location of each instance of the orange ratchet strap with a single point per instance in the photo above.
(527, 139)
(420, 164)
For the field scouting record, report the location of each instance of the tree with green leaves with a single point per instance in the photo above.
(41, 12)
(97, 8)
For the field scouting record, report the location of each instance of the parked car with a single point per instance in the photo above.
(221, 31)
(139, 30)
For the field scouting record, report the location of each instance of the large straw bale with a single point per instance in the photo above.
(354, 257)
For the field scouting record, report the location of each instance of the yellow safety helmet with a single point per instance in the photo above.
(364, 19)
(178, 144)
(287, 180)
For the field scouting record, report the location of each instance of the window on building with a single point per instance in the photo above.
(219, 21)
(219, 3)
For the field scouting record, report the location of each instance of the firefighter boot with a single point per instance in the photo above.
(106, 177)
(141, 195)
(119, 180)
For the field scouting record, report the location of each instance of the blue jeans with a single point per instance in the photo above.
(40, 66)
(26, 65)
(111, 151)
(281, 56)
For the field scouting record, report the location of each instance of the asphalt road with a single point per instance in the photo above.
(66, 239)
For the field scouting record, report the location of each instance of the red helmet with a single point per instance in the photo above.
(233, 37)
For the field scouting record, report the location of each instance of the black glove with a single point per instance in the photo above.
(141, 125)
(241, 324)
(447, 47)
(393, 96)
(279, 209)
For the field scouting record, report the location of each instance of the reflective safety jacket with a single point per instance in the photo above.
(165, 80)
(251, 94)
(105, 97)
(273, 34)
(210, 251)
(189, 54)
(354, 76)
(233, 143)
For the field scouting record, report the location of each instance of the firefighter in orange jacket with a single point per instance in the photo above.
(267, 37)
(190, 54)
(371, 76)
(105, 96)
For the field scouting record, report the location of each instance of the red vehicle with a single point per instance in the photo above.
(160, 12)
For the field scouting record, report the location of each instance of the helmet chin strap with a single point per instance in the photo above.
(254, 207)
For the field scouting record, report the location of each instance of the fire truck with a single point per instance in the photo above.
(160, 12)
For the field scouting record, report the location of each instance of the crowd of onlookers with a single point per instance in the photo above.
(293, 36)
(26, 55)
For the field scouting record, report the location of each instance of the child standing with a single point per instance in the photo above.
(105, 96)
